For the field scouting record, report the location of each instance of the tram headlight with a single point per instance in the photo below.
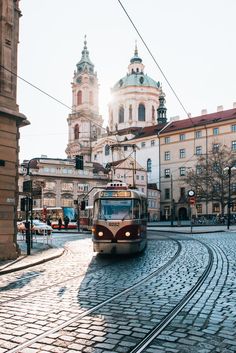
(127, 234)
(100, 234)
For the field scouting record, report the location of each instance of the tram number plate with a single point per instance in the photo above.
(113, 224)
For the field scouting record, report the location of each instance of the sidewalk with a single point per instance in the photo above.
(43, 252)
(40, 253)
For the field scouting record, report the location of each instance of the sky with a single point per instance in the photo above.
(193, 43)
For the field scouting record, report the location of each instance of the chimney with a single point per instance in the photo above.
(204, 112)
(220, 108)
(234, 105)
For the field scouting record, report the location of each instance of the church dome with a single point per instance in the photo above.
(137, 80)
(135, 76)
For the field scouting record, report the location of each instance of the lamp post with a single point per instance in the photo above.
(229, 170)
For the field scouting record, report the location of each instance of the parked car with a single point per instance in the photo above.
(38, 227)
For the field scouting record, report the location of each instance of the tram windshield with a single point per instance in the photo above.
(115, 209)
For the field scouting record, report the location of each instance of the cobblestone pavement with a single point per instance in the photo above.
(37, 303)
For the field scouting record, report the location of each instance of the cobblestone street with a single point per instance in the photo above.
(178, 296)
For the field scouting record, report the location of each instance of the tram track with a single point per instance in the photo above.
(93, 309)
(203, 280)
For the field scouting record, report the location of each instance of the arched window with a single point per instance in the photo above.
(79, 97)
(141, 112)
(121, 114)
(76, 132)
(149, 165)
(90, 97)
(130, 112)
(107, 150)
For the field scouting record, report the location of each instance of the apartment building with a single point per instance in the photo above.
(181, 143)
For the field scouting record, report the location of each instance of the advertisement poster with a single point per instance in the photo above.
(70, 213)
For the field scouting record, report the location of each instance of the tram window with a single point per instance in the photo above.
(136, 209)
(115, 209)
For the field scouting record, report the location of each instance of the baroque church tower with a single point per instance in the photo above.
(135, 98)
(84, 122)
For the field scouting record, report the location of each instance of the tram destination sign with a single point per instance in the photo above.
(115, 193)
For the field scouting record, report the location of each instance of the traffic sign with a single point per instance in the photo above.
(191, 193)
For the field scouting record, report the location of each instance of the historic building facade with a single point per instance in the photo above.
(181, 143)
(10, 122)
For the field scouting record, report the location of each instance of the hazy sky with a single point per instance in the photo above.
(192, 41)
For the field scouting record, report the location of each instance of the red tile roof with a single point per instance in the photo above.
(201, 120)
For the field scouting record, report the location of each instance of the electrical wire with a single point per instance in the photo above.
(155, 61)
(50, 96)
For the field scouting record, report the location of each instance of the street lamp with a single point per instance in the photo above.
(229, 170)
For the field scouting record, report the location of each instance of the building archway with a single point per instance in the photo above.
(182, 213)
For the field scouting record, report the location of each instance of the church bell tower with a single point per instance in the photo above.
(84, 122)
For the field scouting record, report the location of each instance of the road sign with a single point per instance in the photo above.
(191, 193)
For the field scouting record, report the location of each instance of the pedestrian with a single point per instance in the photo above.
(59, 223)
(66, 222)
(48, 221)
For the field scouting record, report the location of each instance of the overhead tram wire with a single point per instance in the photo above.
(162, 72)
(50, 96)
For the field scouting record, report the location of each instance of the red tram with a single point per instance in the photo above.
(119, 220)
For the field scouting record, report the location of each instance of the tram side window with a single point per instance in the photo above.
(136, 209)
(143, 209)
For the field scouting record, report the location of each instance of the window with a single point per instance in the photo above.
(49, 201)
(67, 202)
(149, 165)
(215, 167)
(167, 173)
(130, 112)
(79, 97)
(153, 113)
(125, 148)
(198, 170)
(167, 156)
(141, 112)
(216, 188)
(215, 147)
(167, 194)
(182, 171)
(182, 192)
(121, 114)
(107, 150)
(198, 150)
(233, 145)
(143, 144)
(182, 153)
(167, 139)
(233, 128)
(95, 157)
(199, 208)
(152, 143)
(142, 177)
(182, 137)
(216, 207)
(137, 177)
(76, 132)
(198, 134)
(216, 131)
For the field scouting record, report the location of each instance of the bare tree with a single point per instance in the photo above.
(210, 179)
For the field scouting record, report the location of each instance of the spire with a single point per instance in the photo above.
(135, 58)
(161, 111)
(85, 63)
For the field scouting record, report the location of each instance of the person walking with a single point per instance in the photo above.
(59, 223)
(66, 222)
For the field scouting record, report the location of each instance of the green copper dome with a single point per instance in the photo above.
(136, 79)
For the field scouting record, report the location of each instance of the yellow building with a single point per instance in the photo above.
(181, 143)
